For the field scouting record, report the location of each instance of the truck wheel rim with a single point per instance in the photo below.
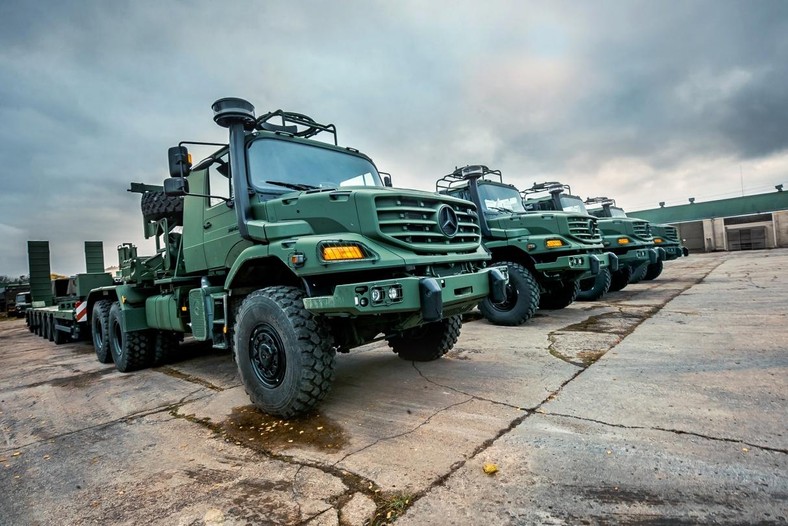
(267, 355)
(510, 301)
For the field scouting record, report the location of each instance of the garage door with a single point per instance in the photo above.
(747, 238)
(692, 235)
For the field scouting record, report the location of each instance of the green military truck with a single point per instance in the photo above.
(666, 238)
(59, 310)
(286, 250)
(547, 253)
(629, 239)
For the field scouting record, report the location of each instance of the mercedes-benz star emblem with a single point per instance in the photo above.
(447, 221)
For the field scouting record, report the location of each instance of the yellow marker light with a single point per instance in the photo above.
(623, 241)
(184, 308)
(554, 243)
(341, 252)
(189, 158)
(657, 240)
(123, 299)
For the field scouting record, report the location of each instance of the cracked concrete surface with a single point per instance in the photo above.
(664, 402)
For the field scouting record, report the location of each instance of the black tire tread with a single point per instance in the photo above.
(523, 312)
(596, 287)
(654, 270)
(316, 350)
(158, 205)
(428, 342)
(560, 297)
(638, 273)
(136, 350)
(101, 309)
(165, 344)
(619, 279)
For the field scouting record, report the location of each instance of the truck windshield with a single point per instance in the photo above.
(571, 203)
(22, 298)
(499, 199)
(617, 212)
(277, 164)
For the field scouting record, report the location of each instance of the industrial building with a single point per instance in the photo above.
(739, 223)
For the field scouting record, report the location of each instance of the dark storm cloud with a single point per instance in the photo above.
(92, 94)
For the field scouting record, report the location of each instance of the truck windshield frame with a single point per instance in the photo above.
(305, 165)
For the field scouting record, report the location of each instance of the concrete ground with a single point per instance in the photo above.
(663, 404)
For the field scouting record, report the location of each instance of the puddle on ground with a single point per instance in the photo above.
(81, 379)
(258, 430)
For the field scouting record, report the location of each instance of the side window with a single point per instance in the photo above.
(219, 182)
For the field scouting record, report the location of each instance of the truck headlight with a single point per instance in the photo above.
(554, 243)
(623, 241)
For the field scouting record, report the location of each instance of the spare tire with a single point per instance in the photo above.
(158, 205)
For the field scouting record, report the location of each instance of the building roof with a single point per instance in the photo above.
(735, 206)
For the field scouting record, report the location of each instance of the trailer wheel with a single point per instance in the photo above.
(165, 343)
(619, 279)
(522, 298)
(285, 355)
(158, 205)
(654, 270)
(59, 337)
(592, 289)
(51, 327)
(427, 342)
(130, 350)
(29, 320)
(561, 296)
(99, 328)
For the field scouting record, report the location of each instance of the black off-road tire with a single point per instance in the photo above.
(427, 342)
(285, 355)
(49, 327)
(130, 350)
(592, 289)
(158, 205)
(165, 344)
(28, 321)
(638, 273)
(560, 296)
(522, 298)
(654, 270)
(619, 279)
(99, 328)
(59, 337)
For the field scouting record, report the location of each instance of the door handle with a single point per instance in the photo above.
(207, 225)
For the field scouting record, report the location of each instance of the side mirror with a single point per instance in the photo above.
(176, 186)
(387, 181)
(180, 161)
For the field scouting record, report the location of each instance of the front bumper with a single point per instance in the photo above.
(584, 263)
(672, 252)
(426, 295)
(638, 256)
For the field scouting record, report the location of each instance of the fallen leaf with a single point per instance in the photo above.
(745, 449)
(319, 428)
(490, 468)
(16, 453)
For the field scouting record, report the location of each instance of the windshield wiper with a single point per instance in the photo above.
(293, 186)
(502, 209)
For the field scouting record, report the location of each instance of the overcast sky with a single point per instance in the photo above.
(641, 101)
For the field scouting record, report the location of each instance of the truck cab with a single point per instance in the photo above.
(547, 252)
(286, 250)
(629, 239)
